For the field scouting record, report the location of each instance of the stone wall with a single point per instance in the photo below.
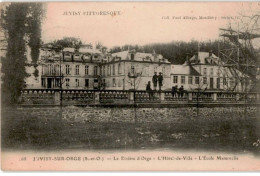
(128, 114)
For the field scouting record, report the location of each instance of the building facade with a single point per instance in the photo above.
(206, 71)
(132, 70)
(71, 68)
(88, 68)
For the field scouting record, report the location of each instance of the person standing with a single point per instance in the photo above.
(160, 80)
(181, 89)
(155, 77)
(149, 89)
(174, 91)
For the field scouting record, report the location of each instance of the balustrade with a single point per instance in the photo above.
(175, 97)
(37, 96)
(85, 97)
(77, 97)
(113, 96)
(202, 96)
(144, 96)
(226, 96)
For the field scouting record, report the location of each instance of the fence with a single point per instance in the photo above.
(87, 97)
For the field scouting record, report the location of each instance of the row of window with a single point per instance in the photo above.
(54, 69)
(183, 79)
(68, 70)
(197, 80)
(111, 69)
(115, 83)
(205, 71)
(68, 83)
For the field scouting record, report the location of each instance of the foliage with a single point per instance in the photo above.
(20, 22)
(35, 16)
(70, 42)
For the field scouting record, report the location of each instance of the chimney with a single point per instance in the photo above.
(197, 58)
(187, 59)
(210, 53)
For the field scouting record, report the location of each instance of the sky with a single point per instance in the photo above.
(140, 23)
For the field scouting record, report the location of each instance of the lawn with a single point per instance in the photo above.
(212, 134)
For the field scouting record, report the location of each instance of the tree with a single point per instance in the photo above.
(70, 42)
(20, 24)
(35, 16)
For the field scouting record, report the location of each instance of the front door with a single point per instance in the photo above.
(211, 82)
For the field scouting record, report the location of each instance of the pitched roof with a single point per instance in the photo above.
(184, 70)
(204, 56)
(72, 50)
(87, 50)
(193, 72)
(140, 56)
(180, 69)
(122, 54)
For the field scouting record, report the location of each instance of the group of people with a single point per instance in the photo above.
(178, 92)
(157, 79)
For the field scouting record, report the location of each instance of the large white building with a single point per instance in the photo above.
(72, 68)
(88, 68)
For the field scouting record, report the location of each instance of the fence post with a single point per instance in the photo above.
(237, 96)
(57, 98)
(190, 96)
(214, 96)
(96, 97)
(131, 97)
(162, 95)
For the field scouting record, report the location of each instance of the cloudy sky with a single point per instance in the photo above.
(140, 23)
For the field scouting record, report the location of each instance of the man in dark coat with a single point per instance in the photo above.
(149, 89)
(160, 80)
(174, 91)
(155, 77)
(181, 90)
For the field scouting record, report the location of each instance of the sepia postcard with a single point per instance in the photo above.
(130, 86)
